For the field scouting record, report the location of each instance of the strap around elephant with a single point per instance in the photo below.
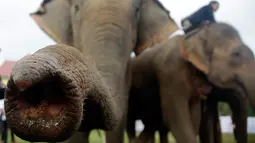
(162, 35)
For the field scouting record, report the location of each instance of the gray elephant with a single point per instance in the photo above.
(60, 89)
(144, 104)
(214, 56)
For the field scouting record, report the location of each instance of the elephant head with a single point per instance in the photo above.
(219, 52)
(61, 89)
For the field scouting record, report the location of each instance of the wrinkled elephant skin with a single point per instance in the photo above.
(92, 79)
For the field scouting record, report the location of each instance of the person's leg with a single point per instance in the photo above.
(4, 132)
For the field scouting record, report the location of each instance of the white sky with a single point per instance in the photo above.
(19, 35)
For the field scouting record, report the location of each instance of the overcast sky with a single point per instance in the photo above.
(19, 35)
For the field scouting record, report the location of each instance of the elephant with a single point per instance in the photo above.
(144, 104)
(213, 58)
(82, 83)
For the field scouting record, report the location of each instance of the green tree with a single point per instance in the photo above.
(224, 109)
(250, 111)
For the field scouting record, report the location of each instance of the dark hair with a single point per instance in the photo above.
(214, 2)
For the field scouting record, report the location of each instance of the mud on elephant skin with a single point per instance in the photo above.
(103, 35)
(214, 55)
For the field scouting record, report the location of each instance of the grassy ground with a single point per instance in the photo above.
(94, 138)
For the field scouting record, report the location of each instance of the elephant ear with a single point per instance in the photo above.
(55, 21)
(197, 51)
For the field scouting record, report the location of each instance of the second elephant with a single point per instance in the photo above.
(183, 65)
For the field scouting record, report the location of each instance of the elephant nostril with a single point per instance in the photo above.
(46, 105)
(44, 99)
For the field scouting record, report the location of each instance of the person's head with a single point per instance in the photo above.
(215, 5)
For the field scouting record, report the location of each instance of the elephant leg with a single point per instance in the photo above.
(216, 124)
(147, 136)
(210, 131)
(176, 115)
(206, 126)
(163, 133)
(115, 136)
(239, 118)
(196, 115)
(131, 132)
(79, 137)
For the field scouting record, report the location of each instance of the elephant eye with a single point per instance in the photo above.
(236, 54)
(236, 58)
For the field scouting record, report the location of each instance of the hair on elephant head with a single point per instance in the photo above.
(220, 53)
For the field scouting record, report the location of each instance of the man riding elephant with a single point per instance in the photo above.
(202, 16)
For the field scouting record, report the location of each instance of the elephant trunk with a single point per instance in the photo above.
(44, 96)
(247, 82)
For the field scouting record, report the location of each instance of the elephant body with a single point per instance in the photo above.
(183, 66)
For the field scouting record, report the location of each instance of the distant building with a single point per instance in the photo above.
(6, 69)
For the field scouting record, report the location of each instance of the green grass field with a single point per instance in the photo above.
(94, 138)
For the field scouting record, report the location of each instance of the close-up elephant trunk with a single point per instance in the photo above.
(59, 90)
(44, 96)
